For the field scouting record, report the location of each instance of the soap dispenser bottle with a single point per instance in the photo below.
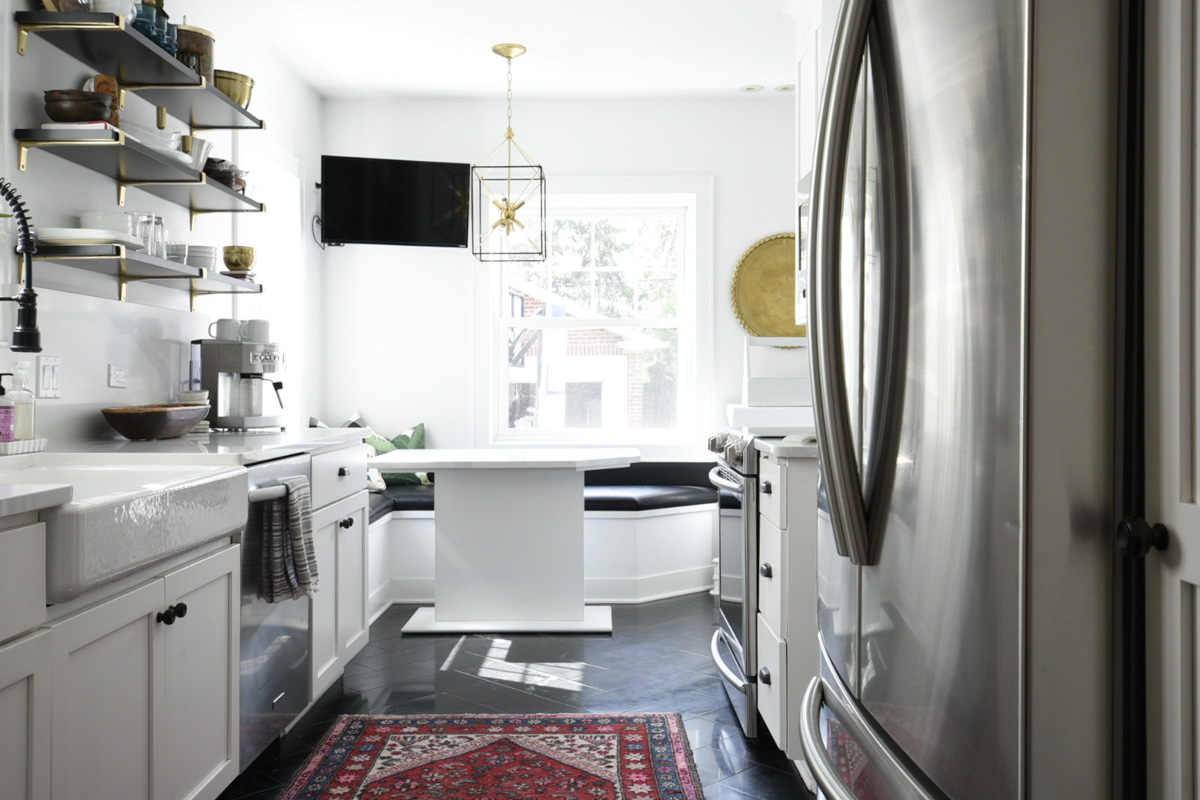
(7, 413)
(24, 407)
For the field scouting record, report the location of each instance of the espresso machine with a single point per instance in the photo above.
(234, 373)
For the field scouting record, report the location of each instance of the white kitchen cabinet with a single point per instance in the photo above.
(787, 593)
(145, 688)
(25, 718)
(339, 620)
(198, 738)
(22, 577)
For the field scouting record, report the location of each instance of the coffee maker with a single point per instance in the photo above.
(234, 373)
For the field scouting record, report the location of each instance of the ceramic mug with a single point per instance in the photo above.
(228, 329)
(256, 330)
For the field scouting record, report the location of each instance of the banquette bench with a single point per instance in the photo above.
(649, 533)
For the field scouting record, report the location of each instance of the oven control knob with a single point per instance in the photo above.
(734, 451)
(716, 443)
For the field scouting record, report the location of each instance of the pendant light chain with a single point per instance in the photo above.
(508, 97)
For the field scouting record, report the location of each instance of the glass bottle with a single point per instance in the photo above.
(24, 404)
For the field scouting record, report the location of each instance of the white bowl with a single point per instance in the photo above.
(195, 397)
(120, 221)
(200, 261)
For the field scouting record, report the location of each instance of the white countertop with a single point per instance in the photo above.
(18, 498)
(215, 447)
(507, 458)
(786, 447)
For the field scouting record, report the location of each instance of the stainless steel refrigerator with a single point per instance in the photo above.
(961, 302)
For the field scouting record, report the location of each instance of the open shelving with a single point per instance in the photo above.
(131, 163)
(108, 45)
(129, 266)
(111, 47)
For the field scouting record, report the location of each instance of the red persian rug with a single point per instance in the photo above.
(502, 757)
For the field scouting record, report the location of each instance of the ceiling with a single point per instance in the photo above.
(618, 48)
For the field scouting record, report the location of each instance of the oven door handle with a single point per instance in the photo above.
(267, 493)
(717, 479)
(739, 683)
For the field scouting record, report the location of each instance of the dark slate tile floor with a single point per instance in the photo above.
(656, 659)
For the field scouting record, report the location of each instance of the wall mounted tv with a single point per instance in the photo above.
(386, 201)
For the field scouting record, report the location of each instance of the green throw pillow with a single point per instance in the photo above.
(413, 439)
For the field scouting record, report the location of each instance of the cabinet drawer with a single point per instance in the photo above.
(772, 477)
(770, 560)
(338, 474)
(22, 579)
(772, 682)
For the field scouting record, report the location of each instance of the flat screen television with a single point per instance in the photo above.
(388, 201)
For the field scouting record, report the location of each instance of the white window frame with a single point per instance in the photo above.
(694, 318)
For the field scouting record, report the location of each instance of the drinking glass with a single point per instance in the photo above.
(160, 238)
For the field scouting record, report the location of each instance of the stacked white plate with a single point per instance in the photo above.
(81, 236)
(201, 256)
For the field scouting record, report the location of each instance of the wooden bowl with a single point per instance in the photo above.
(154, 421)
(75, 105)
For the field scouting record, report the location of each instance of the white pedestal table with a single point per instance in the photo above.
(508, 527)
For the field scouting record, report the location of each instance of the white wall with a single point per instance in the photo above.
(403, 324)
(89, 332)
(391, 332)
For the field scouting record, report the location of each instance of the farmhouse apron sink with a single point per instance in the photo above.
(125, 515)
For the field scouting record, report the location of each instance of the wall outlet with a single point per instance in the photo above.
(49, 376)
(118, 376)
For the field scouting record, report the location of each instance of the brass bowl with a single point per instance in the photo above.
(154, 421)
(238, 258)
(234, 84)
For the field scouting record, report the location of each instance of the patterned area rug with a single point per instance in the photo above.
(502, 757)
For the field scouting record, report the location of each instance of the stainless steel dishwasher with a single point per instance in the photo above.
(275, 651)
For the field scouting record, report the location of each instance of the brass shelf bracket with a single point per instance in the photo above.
(23, 147)
(24, 29)
(123, 281)
(123, 185)
(197, 213)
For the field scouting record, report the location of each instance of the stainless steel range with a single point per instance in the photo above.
(733, 643)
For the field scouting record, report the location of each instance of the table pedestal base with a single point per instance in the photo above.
(596, 619)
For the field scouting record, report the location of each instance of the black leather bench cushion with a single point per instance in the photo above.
(401, 498)
(645, 498)
(645, 486)
(652, 473)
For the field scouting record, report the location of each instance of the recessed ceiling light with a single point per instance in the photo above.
(786, 87)
(751, 87)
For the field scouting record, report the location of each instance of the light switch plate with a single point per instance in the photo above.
(49, 376)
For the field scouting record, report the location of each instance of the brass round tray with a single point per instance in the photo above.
(764, 288)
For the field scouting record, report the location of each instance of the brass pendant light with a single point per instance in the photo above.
(509, 197)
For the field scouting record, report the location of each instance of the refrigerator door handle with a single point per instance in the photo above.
(815, 754)
(901, 783)
(834, 435)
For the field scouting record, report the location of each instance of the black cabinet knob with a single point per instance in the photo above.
(348, 522)
(766, 487)
(766, 571)
(764, 676)
(343, 472)
(177, 611)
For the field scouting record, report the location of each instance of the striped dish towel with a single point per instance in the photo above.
(289, 563)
